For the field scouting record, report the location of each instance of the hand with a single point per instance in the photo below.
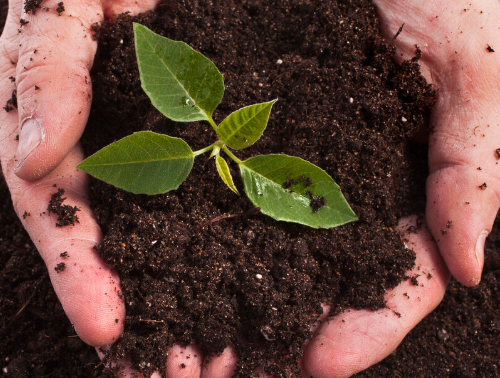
(48, 63)
(454, 37)
(87, 283)
(463, 186)
(355, 340)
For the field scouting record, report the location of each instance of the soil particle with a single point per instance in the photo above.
(490, 49)
(317, 202)
(11, 102)
(483, 186)
(60, 267)
(66, 214)
(60, 8)
(23, 22)
(288, 183)
(32, 6)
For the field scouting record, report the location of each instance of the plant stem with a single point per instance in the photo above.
(212, 123)
(203, 150)
(230, 154)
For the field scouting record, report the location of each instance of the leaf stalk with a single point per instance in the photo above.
(206, 149)
(231, 155)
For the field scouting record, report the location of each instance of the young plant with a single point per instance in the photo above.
(186, 86)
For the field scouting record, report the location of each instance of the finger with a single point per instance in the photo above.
(56, 51)
(463, 187)
(463, 66)
(222, 366)
(114, 7)
(355, 340)
(184, 362)
(86, 287)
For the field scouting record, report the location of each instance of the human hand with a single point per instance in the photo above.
(65, 176)
(454, 37)
(458, 41)
(48, 63)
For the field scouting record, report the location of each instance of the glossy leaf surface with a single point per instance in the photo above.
(181, 83)
(245, 126)
(144, 162)
(291, 189)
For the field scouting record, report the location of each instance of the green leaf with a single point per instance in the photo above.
(224, 173)
(245, 126)
(214, 152)
(181, 83)
(291, 189)
(144, 162)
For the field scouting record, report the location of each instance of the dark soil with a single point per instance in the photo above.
(190, 259)
(32, 6)
(66, 214)
(11, 103)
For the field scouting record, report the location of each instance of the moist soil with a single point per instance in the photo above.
(201, 264)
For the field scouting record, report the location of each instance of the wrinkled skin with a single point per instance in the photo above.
(453, 36)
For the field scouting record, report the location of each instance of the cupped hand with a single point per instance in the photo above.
(460, 43)
(45, 57)
(45, 60)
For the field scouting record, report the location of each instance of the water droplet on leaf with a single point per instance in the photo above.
(186, 101)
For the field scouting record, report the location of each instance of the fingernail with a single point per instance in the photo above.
(30, 137)
(480, 249)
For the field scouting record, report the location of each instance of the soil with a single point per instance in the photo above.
(66, 214)
(202, 262)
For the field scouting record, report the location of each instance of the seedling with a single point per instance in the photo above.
(186, 86)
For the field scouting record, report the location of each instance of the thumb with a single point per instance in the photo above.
(463, 186)
(53, 83)
(460, 55)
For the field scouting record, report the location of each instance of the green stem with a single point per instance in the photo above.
(230, 154)
(212, 123)
(206, 149)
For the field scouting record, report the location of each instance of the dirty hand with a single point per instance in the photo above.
(49, 61)
(458, 40)
(46, 58)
